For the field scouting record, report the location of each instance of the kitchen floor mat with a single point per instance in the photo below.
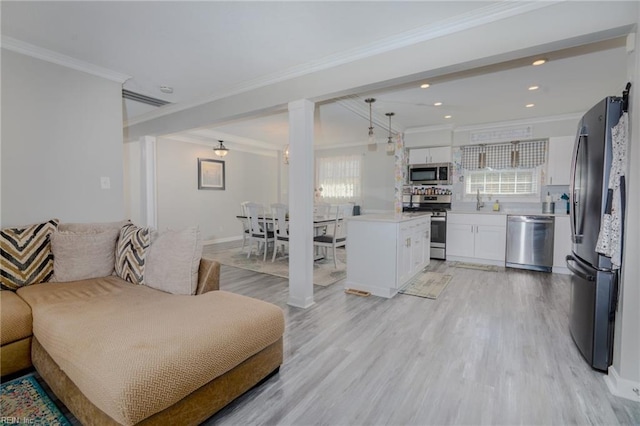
(427, 284)
(481, 267)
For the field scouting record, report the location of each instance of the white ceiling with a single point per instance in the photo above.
(204, 48)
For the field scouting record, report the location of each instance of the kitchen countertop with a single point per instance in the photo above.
(507, 212)
(388, 217)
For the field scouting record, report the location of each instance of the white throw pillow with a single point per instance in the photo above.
(173, 260)
(81, 255)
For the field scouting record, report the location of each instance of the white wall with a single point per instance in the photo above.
(425, 137)
(61, 131)
(249, 177)
(377, 175)
(132, 182)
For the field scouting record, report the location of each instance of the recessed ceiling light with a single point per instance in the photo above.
(534, 88)
(530, 105)
(447, 116)
(437, 104)
(539, 62)
(424, 86)
(166, 89)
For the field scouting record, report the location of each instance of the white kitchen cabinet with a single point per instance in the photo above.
(440, 154)
(385, 252)
(478, 238)
(460, 239)
(559, 160)
(561, 244)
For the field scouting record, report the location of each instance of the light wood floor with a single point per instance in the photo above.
(494, 348)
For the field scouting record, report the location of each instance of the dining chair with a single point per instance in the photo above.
(245, 223)
(321, 209)
(259, 231)
(281, 227)
(338, 238)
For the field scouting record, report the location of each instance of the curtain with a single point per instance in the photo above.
(526, 155)
(339, 179)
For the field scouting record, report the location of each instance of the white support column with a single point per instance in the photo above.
(301, 203)
(148, 181)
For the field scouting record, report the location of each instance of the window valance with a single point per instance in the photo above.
(526, 154)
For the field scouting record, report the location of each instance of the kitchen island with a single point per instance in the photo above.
(385, 251)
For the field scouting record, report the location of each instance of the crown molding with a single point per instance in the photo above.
(27, 49)
(466, 21)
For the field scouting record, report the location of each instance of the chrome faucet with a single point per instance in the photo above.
(479, 203)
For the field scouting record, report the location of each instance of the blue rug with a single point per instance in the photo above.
(23, 401)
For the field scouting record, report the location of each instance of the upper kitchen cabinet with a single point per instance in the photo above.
(559, 162)
(440, 154)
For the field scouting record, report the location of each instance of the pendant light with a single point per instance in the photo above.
(371, 136)
(221, 150)
(390, 145)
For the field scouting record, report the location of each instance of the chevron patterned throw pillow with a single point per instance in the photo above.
(131, 252)
(26, 255)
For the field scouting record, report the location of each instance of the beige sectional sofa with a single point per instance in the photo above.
(121, 353)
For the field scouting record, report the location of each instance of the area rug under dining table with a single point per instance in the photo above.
(324, 271)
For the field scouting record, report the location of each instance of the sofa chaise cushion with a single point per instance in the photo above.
(134, 351)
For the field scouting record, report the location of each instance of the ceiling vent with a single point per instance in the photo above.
(133, 96)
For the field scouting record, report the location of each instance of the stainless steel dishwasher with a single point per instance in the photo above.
(530, 242)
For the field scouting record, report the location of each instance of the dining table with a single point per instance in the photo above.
(320, 223)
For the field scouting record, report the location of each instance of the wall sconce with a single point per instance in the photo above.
(285, 154)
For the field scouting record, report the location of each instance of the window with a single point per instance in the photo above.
(339, 178)
(508, 182)
(504, 169)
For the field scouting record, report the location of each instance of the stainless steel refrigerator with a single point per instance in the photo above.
(594, 283)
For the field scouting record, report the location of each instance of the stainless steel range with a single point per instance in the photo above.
(438, 206)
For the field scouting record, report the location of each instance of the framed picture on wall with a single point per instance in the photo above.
(210, 174)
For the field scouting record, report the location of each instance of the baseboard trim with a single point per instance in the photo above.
(622, 387)
(221, 240)
(476, 260)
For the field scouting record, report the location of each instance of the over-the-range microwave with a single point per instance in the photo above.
(430, 174)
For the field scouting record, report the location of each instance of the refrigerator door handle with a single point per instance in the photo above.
(574, 194)
(582, 274)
